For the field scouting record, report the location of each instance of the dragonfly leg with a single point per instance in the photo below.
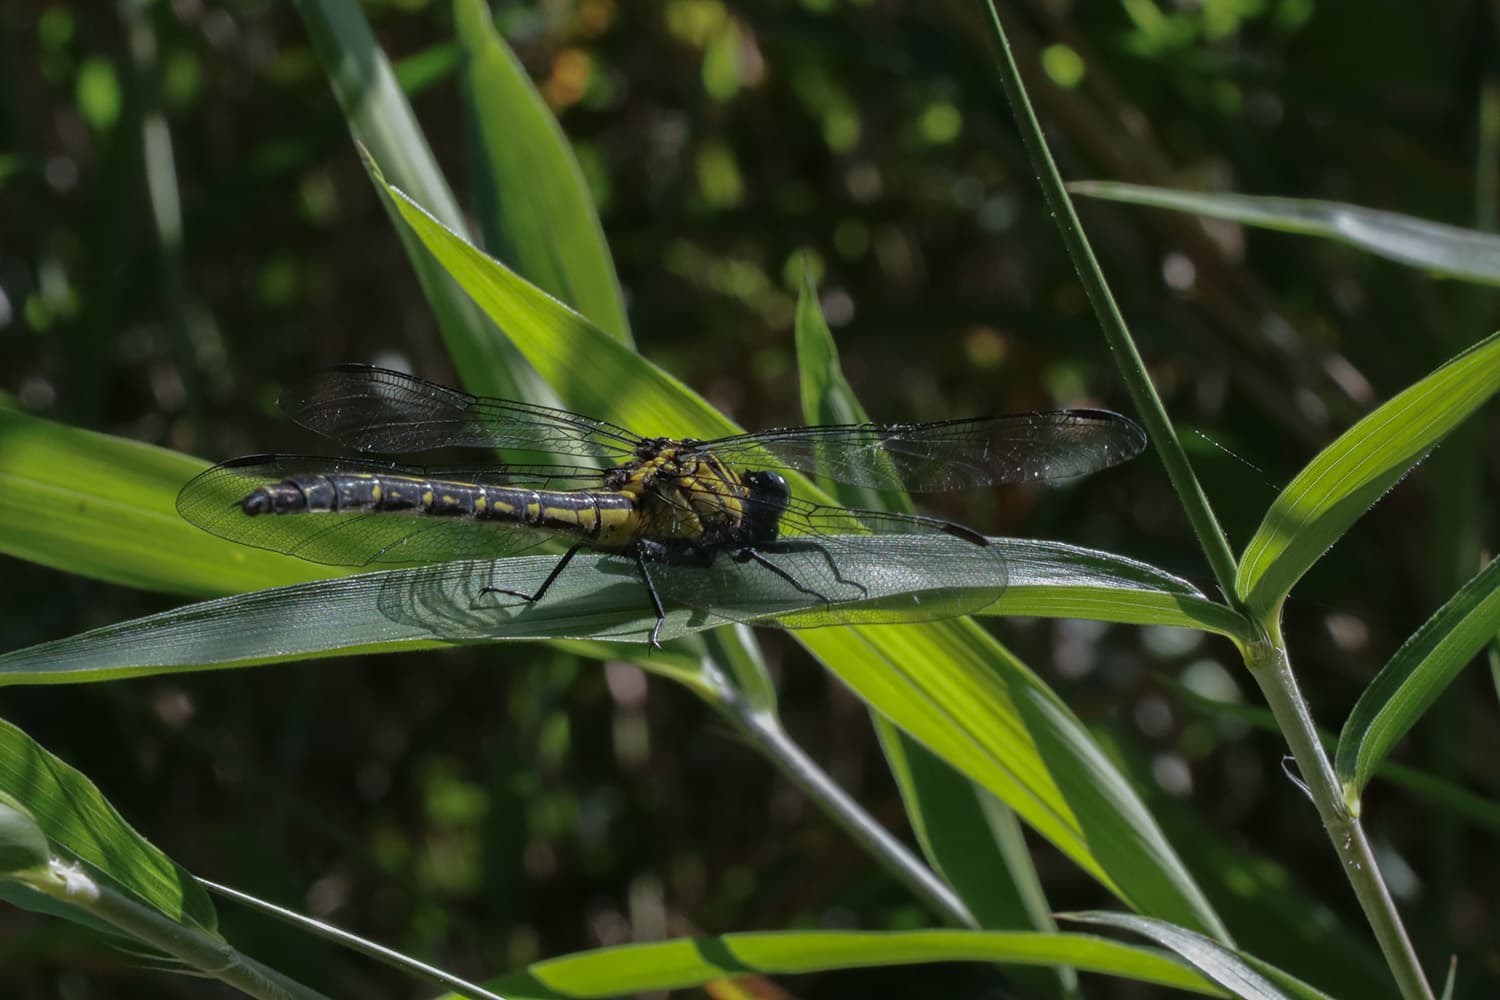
(750, 555)
(787, 545)
(562, 564)
(661, 615)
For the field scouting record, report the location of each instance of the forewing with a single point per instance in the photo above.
(949, 454)
(373, 409)
(212, 501)
(836, 566)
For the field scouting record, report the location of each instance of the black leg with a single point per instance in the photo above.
(661, 615)
(750, 555)
(788, 545)
(562, 563)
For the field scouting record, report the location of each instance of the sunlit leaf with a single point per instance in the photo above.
(1442, 249)
(1420, 671)
(77, 820)
(688, 962)
(534, 205)
(381, 120)
(103, 507)
(1347, 477)
(1236, 973)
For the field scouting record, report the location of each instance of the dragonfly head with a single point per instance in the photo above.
(765, 502)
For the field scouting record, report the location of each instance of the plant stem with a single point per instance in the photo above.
(1137, 380)
(1267, 658)
(1272, 670)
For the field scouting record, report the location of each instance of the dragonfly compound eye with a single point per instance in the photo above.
(767, 501)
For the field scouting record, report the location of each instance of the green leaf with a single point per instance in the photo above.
(1270, 915)
(1238, 974)
(1347, 477)
(1439, 793)
(534, 206)
(77, 820)
(1416, 675)
(1432, 246)
(989, 869)
(948, 684)
(688, 962)
(23, 845)
(103, 507)
(827, 397)
(598, 597)
(381, 120)
(416, 608)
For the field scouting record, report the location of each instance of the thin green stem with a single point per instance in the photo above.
(1272, 670)
(1267, 658)
(380, 953)
(1137, 380)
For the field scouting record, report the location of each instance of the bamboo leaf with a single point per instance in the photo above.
(688, 962)
(76, 819)
(1416, 675)
(381, 120)
(104, 507)
(534, 206)
(1347, 477)
(1238, 974)
(1432, 246)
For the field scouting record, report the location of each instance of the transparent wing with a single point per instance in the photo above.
(832, 566)
(373, 409)
(946, 455)
(211, 501)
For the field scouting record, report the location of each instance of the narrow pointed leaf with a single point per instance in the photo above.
(1238, 974)
(1439, 793)
(599, 597)
(76, 819)
(1347, 477)
(381, 119)
(535, 209)
(1416, 675)
(1432, 246)
(688, 962)
(104, 507)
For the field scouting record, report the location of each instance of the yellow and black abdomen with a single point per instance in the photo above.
(610, 518)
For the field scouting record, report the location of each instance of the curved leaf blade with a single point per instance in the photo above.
(1226, 968)
(104, 507)
(381, 119)
(73, 815)
(534, 205)
(598, 597)
(1346, 478)
(1416, 675)
(1446, 250)
(688, 962)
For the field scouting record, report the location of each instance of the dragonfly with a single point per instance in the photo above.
(691, 517)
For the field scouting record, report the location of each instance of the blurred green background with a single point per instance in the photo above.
(184, 224)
